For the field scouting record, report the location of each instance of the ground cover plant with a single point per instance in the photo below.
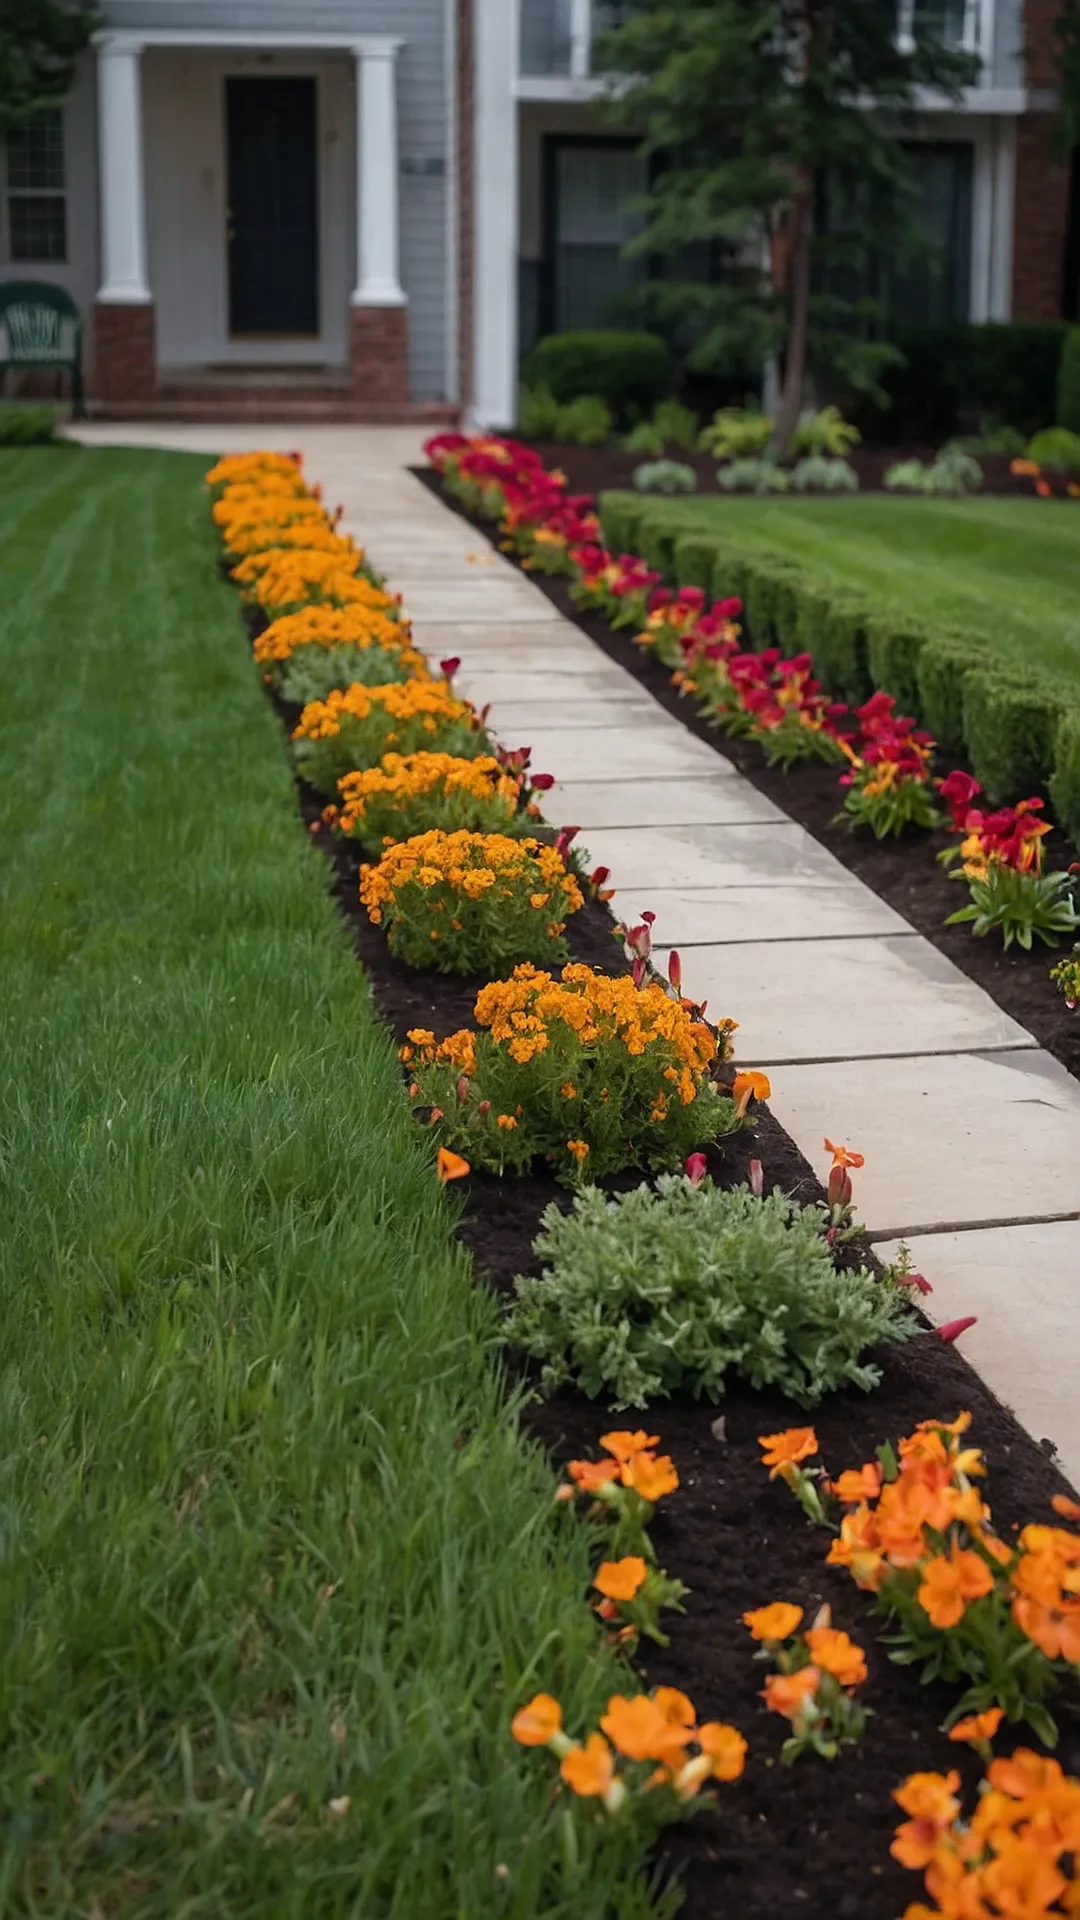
(277, 1560)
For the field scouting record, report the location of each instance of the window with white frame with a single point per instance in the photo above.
(36, 188)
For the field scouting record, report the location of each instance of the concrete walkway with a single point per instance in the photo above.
(971, 1132)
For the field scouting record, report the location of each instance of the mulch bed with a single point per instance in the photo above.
(602, 469)
(814, 1839)
(905, 872)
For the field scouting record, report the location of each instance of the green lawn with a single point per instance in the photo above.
(1006, 569)
(269, 1535)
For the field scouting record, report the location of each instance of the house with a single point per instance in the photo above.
(362, 208)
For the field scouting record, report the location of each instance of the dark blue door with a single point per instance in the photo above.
(273, 185)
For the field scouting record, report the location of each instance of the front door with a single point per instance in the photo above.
(273, 217)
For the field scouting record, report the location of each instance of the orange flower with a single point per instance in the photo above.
(949, 1584)
(787, 1693)
(776, 1622)
(1068, 1508)
(930, 1799)
(537, 1723)
(748, 1086)
(589, 1475)
(650, 1475)
(621, 1579)
(1022, 1880)
(783, 1451)
(1055, 1630)
(624, 1445)
(589, 1770)
(857, 1484)
(1024, 1774)
(859, 1549)
(843, 1156)
(838, 1655)
(451, 1166)
(977, 1728)
(642, 1730)
(725, 1747)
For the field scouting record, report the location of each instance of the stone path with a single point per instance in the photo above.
(971, 1132)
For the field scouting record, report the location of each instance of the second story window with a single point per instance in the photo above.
(36, 197)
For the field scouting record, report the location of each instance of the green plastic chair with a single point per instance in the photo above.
(41, 327)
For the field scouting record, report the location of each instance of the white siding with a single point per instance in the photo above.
(78, 274)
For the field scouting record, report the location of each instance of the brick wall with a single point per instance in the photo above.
(1041, 214)
(125, 356)
(466, 67)
(379, 355)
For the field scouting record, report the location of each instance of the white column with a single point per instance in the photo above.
(378, 282)
(580, 39)
(123, 200)
(495, 172)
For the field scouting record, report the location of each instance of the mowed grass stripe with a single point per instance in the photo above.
(269, 1534)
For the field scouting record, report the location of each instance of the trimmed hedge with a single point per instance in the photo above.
(631, 371)
(955, 376)
(1021, 732)
(1068, 391)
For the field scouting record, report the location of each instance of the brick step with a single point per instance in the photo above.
(274, 405)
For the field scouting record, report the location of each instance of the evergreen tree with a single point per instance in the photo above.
(768, 123)
(39, 43)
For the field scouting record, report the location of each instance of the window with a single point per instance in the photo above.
(37, 207)
(929, 282)
(589, 222)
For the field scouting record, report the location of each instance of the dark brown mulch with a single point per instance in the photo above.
(905, 872)
(812, 1840)
(602, 469)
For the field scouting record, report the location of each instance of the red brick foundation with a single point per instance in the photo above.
(1040, 222)
(379, 355)
(125, 356)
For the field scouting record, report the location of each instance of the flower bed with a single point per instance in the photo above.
(906, 872)
(725, 1541)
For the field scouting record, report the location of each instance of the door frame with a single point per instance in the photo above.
(234, 338)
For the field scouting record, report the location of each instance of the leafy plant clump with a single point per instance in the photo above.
(586, 421)
(1057, 449)
(952, 473)
(1018, 905)
(752, 475)
(671, 425)
(819, 473)
(736, 433)
(653, 1291)
(665, 476)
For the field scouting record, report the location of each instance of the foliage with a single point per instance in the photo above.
(818, 1672)
(237, 1322)
(1018, 905)
(665, 476)
(27, 426)
(407, 794)
(351, 730)
(469, 902)
(631, 371)
(748, 120)
(1068, 392)
(913, 1527)
(734, 433)
(671, 424)
(538, 413)
(586, 1070)
(1066, 978)
(818, 474)
(40, 41)
(659, 1291)
(1004, 441)
(956, 377)
(585, 422)
(1056, 448)
(952, 472)
(306, 655)
(753, 476)
(825, 432)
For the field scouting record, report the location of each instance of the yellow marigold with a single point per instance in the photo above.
(471, 863)
(292, 576)
(330, 627)
(235, 467)
(594, 1005)
(321, 719)
(506, 1121)
(579, 1149)
(315, 534)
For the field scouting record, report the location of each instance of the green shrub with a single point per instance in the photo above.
(752, 475)
(27, 426)
(585, 422)
(659, 1291)
(952, 473)
(671, 425)
(832, 628)
(771, 592)
(958, 377)
(943, 664)
(1065, 782)
(656, 537)
(697, 562)
(893, 646)
(630, 371)
(826, 432)
(737, 433)
(1068, 388)
(620, 520)
(819, 473)
(1009, 726)
(1057, 449)
(538, 414)
(665, 476)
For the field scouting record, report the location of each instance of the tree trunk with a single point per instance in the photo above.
(791, 398)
